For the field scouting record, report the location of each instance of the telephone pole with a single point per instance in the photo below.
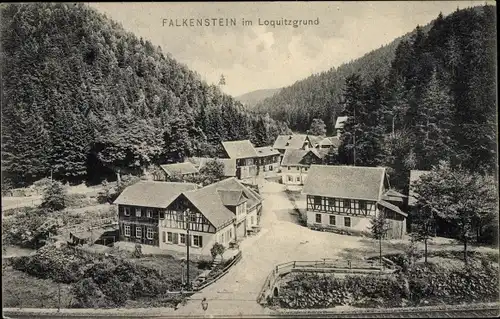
(187, 247)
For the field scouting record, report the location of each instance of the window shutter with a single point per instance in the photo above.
(164, 236)
(200, 241)
(175, 238)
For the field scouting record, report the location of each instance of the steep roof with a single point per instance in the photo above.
(294, 156)
(353, 182)
(239, 149)
(294, 141)
(235, 184)
(232, 197)
(211, 200)
(179, 168)
(392, 207)
(153, 194)
(266, 151)
(414, 176)
(339, 124)
(315, 140)
(229, 166)
(335, 141)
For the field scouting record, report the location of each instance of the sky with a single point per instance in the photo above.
(265, 57)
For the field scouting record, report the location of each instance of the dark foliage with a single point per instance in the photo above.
(114, 103)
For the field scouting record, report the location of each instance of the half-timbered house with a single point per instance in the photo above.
(347, 197)
(141, 205)
(293, 141)
(268, 162)
(296, 163)
(221, 212)
(245, 155)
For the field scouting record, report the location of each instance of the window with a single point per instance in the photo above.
(138, 232)
(197, 241)
(347, 203)
(222, 238)
(305, 169)
(126, 211)
(298, 168)
(150, 213)
(230, 233)
(137, 212)
(347, 221)
(192, 218)
(169, 237)
(149, 233)
(362, 205)
(318, 218)
(332, 220)
(290, 179)
(127, 230)
(163, 236)
(298, 178)
(289, 168)
(317, 200)
(270, 167)
(182, 239)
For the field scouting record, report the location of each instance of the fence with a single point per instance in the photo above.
(225, 270)
(331, 265)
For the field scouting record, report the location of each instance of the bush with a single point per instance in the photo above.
(77, 200)
(31, 228)
(55, 196)
(204, 264)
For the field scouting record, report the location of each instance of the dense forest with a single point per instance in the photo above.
(435, 101)
(82, 99)
(320, 95)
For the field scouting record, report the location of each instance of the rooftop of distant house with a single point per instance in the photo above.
(295, 141)
(294, 157)
(266, 151)
(339, 124)
(239, 149)
(179, 168)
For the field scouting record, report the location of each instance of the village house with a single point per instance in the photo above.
(296, 163)
(141, 205)
(222, 212)
(347, 197)
(159, 214)
(339, 125)
(245, 155)
(176, 169)
(268, 162)
(294, 141)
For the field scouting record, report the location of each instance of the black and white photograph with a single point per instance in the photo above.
(331, 159)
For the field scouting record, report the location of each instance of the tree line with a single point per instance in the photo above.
(83, 98)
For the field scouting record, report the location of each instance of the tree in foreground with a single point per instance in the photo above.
(423, 226)
(465, 199)
(379, 227)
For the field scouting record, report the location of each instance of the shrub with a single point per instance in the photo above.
(55, 196)
(204, 264)
(77, 200)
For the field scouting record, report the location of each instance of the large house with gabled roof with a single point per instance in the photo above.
(141, 205)
(296, 163)
(292, 141)
(346, 198)
(158, 214)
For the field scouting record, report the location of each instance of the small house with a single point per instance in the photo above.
(296, 163)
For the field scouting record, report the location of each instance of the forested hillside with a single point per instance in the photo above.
(427, 97)
(319, 95)
(250, 99)
(82, 97)
(438, 102)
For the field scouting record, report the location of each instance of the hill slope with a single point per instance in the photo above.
(250, 99)
(82, 97)
(318, 95)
